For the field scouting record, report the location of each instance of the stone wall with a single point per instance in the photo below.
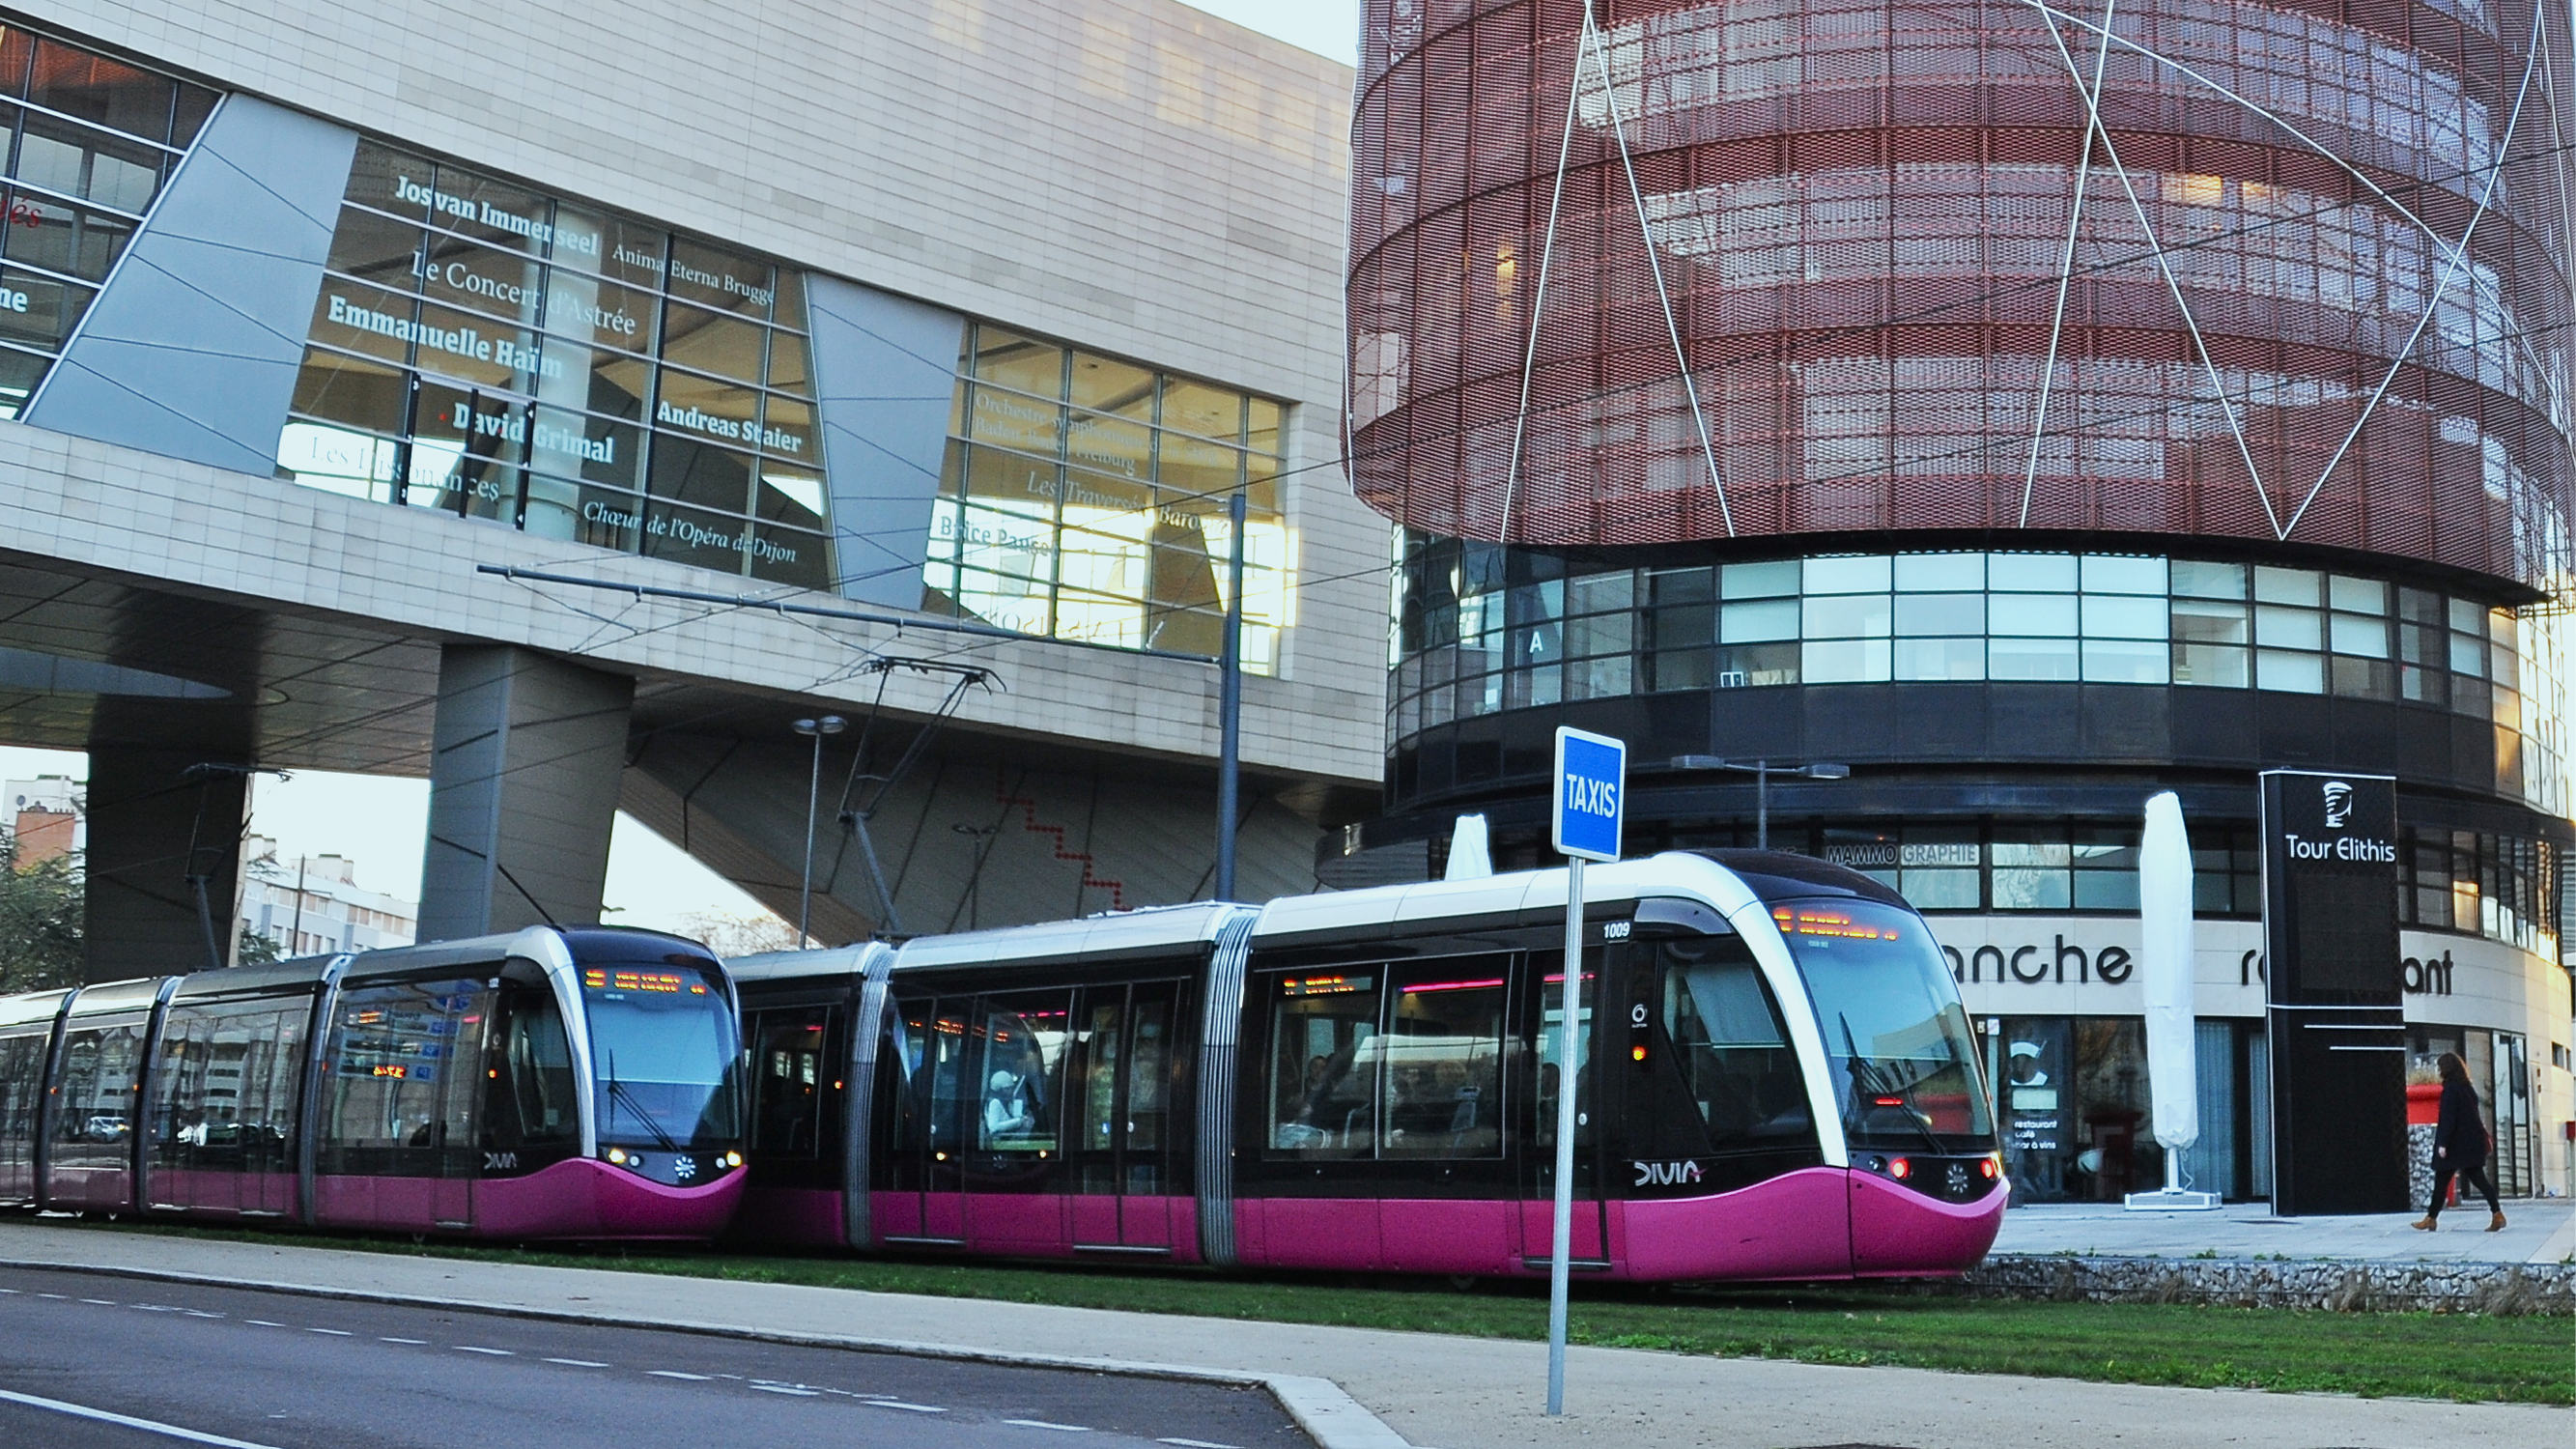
(2497, 1288)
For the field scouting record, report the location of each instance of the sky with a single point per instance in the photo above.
(382, 824)
(1326, 27)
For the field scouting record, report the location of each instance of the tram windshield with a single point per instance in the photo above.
(665, 1046)
(1904, 1063)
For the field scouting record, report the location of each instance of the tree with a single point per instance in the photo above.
(732, 935)
(41, 920)
(256, 950)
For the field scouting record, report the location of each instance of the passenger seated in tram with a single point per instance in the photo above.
(1007, 1111)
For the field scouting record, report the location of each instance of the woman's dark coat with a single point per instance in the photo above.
(2461, 1139)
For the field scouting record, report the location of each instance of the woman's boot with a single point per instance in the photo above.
(2425, 1226)
(2498, 1225)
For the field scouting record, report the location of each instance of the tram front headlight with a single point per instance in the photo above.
(733, 1159)
(617, 1156)
(1899, 1168)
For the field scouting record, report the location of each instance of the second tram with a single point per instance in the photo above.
(568, 1084)
(1777, 1082)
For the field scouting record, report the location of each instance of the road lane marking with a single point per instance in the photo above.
(57, 1297)
(789, 1389)
(676, 1374)
(495, 1352)
(1194, 1444)
(1043, 1424)
(148, 1426)
(262, 1323)
(102, 1302)
(577, 1363)
(900, 1404)
(334, 1332)
(415, 1342)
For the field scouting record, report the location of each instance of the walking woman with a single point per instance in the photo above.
(2460, 1144)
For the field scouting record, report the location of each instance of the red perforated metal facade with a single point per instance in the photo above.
(1919, 291)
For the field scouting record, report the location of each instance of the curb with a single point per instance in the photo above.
(1322, 1409)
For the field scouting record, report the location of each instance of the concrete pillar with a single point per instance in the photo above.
(526, 753)
(157, 836)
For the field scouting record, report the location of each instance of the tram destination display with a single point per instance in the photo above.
(2333, 978)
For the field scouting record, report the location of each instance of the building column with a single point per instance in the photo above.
(527, 751)
(164, 861)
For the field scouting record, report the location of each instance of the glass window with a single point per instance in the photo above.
(2031, 872)
(1778, 579)
(667, 1047)
(336, 387)
(2038, 572)
(1845, 616)
(2106, 869)
(2118, 574)
(2124, 617)
(1125, 390)
(1207, 412)
(2284, 628)
(714, 342)
(2358, 596)
(1730, 1047)
(1848, 661)
(1891, 1021)
(721, 280)
(402, 1089)
(596, 313)
(1322, 1089)
(1939, 869)
(1020, 1099)
(2040, 615)
(108, 92)
(377, 249)
(1848, 574)
(1955, 659)
(509, 285)
(1940, 572)
(2032, 658)
(2357, 634)
(2208, 580)
(2126, 661)
(76, 161)
(1758, 622)
(1439, 1062)
(61, 237)
(2292, 673)
(52, 309)
(94, 1110)
(1921, 614)
(2286, 586)
(693, 536)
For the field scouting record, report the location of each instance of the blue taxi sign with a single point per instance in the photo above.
(1591, 781)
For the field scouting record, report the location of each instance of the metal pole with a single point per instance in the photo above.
(805, 890)
(1561, 1250)
(1761, 804)
(1230, 709)
(295, 933)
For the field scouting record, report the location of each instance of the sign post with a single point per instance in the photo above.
(1591, 781)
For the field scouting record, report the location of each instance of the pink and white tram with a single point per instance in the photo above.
(580, 1083)
(1777, 1082)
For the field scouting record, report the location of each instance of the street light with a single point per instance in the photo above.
(815, 729)
(1762, 771)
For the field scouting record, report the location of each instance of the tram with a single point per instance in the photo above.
(553, 1084)
(1776, 1081)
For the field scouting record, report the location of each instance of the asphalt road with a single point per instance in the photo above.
(281, 1371)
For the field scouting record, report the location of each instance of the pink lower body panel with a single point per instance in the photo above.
(586, 1199)
(1897, 1232)
(1797, 1225)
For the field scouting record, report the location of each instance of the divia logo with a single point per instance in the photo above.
(1666, 1174)
(2338, 803)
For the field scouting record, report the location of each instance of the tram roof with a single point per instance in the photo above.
(1119, 935)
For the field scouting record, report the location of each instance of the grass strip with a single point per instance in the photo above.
(2469, 1358)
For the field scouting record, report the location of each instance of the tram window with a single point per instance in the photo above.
(1550, 1039)
(1019, 1102)
(788, 1049)
(397, 1102)
(1731, 1047)
(934, 1068)
(540, 1106)
(1440, 1060)
(1323, 1081)
(95, 1121)
(22, 1067)
(228, 1080)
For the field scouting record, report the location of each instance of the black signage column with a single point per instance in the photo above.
(2337, 1028)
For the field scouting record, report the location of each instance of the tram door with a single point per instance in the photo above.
(1014, 1175)
(927, 1203)
(1591, 1236)
(1120, 1152)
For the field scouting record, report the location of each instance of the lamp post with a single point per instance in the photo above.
(1762, 771)
(814, 729)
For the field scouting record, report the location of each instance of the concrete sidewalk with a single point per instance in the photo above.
(2537, 1230)
(1456, 1393)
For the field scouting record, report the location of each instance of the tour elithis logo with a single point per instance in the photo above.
(2338, 801)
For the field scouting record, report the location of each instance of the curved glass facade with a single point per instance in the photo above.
(1668, 270)
(1483, 630)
